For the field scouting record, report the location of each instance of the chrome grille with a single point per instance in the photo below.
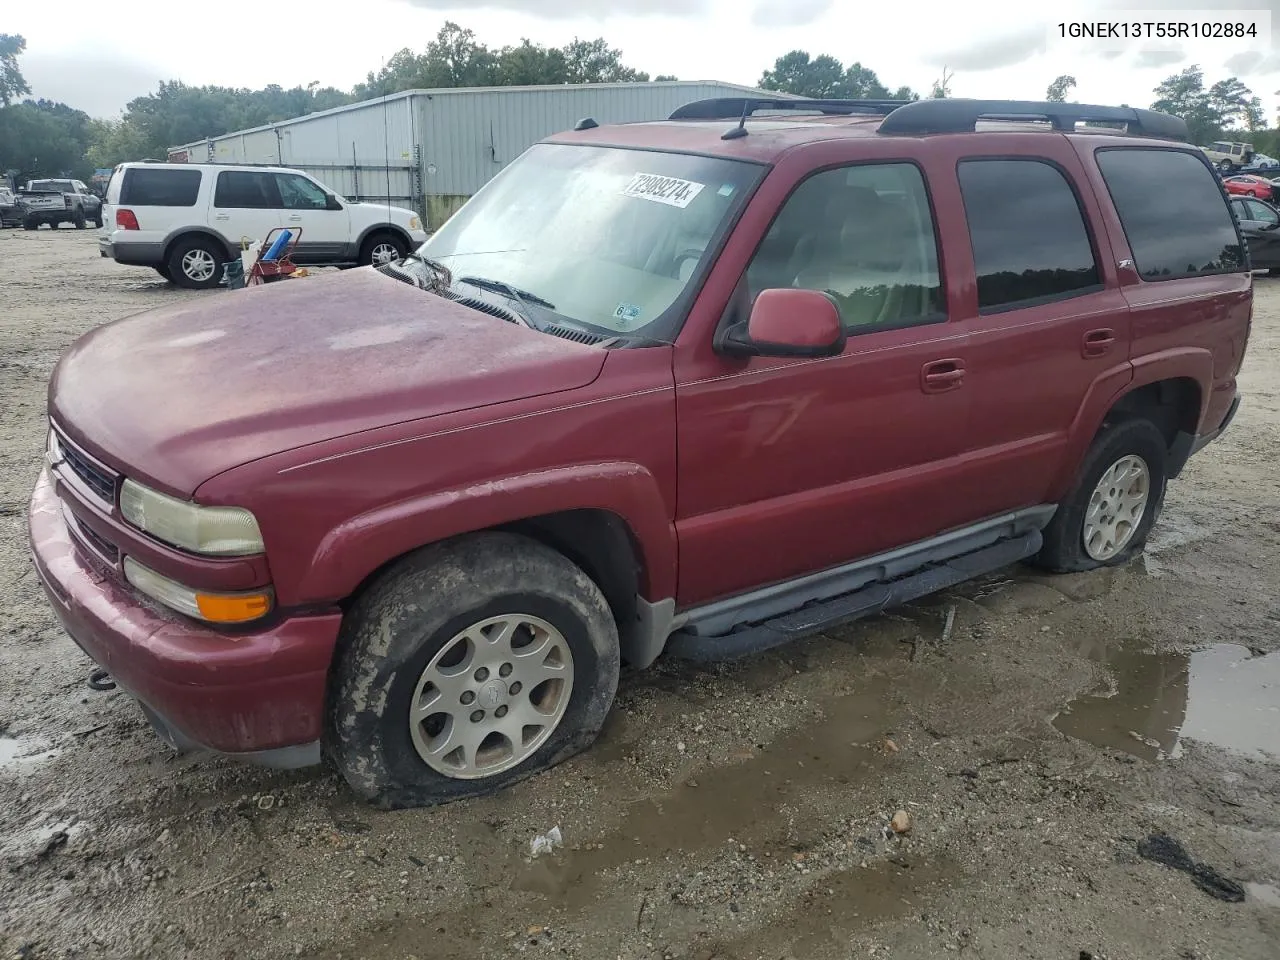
(97, 478)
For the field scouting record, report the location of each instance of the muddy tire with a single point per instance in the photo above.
(1105, 520)
(426, 701)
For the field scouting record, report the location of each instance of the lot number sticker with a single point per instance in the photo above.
(668, 190)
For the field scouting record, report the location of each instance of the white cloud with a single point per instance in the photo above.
(693, 39)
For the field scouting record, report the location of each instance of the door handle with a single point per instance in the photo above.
(296, 218)
(1098, 342)
(223, 216)
(939, 376)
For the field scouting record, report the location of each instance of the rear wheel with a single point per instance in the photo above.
(467, 667)
(1224, 166)
(163, 270)
(194, 263)
(382, 248)
(1106, 519)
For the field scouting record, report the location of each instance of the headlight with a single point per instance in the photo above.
(212, 531)
(415, 223)
(213, 607)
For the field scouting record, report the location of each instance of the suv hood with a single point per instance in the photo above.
(178, 395)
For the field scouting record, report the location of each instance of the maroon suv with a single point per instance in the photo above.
(703, 386)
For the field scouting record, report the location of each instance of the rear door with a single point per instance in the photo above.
(1260, 225)
(245, 206)
(1046, 320)
(326, 234)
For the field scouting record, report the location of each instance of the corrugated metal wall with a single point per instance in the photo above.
(469, 136)
(463, 137)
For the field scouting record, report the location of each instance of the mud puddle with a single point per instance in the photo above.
(730, 804)
(743, 811)
(23, 754)
(1223, 696)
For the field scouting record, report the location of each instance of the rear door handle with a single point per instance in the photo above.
(296, 218)
(1098, 342)
(939, 376)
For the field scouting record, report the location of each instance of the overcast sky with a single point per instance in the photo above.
(97, 57)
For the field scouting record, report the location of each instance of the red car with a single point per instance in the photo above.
(701, 386)
(1249, 185)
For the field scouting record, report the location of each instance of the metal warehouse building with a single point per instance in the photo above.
(432, 149)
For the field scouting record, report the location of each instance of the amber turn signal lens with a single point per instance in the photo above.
(236, 608)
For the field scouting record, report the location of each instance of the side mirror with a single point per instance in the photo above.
(331, 202)
(786, 322)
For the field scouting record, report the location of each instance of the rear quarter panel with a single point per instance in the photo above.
(1194, 327)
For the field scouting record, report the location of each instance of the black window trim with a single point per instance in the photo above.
(1028, 302)
(729, 317)
(1198, 156)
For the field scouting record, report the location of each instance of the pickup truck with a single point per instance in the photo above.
(58, 201)
(693, 388)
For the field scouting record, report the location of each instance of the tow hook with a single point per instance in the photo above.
(99, 679)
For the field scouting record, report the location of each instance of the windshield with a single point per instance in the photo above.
(62, 186)
(611, 237)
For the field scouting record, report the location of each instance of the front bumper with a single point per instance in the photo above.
(258, 696)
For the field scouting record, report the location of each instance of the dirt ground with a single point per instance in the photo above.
(731, 812)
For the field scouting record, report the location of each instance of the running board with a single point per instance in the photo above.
(867, 601)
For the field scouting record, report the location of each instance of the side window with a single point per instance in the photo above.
(1029, 239)
(299, 193)
(246, 190)
(863, 234)
(143, 187)
(1197, 235)
(1259, 212)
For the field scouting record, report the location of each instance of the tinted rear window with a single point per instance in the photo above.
(1195, 235)
(1029, 240)
(160, 188)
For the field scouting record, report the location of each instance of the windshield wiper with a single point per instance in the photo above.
(515, 293)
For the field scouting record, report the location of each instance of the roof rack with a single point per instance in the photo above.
(733, 108)
(961, 116)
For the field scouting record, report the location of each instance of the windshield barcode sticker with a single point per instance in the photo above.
(668, 190)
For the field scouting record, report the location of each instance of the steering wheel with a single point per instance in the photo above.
(688, 253)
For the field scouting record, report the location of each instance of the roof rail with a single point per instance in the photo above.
(732, 108)
(960, 116)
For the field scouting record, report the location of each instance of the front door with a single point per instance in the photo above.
(790, 466)
(1260, 225)
(326, 234)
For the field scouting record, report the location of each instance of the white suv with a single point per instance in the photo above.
(186, 219)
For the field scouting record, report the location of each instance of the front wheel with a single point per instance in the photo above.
(30, 224)
(1106, 519)
(469, 666)
(97, 221)
(381, 249)
(79, 220)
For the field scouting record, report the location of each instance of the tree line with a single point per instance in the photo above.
(45, 138)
